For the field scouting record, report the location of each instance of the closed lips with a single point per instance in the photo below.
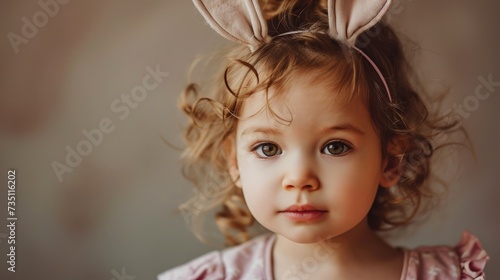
(303, 213)
(302, 208)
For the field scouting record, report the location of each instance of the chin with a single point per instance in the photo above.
(305, 236)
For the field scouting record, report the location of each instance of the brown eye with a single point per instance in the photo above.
(336, 148)
(267, 150)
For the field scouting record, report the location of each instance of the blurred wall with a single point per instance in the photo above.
(68, 71)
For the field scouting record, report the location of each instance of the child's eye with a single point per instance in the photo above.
(336, 148)
(265, 150)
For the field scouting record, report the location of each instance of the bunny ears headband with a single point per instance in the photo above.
(242, 21)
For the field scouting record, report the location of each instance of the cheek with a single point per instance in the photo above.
(366, 165)
(260, 185)
(353, 182)
(360, 166)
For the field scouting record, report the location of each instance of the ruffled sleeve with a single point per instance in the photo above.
(206, 267)
(472, 257)
(465, 261)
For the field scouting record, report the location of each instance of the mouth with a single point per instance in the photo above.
(303, 213)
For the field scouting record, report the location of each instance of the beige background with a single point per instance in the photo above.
(116, 209)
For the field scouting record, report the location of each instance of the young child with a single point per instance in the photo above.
(315, 131)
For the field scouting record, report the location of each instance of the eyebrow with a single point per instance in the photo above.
(263, 130)
(347, 127)
(340, 127)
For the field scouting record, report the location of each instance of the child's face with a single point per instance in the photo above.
(328, 158)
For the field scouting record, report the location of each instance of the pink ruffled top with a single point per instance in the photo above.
(252, 261)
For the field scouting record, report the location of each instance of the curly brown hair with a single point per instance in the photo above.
(404, 125)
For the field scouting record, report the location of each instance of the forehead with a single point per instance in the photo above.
(304, 102)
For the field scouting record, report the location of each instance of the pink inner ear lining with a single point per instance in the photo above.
(348, 19)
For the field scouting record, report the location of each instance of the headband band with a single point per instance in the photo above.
(373, 64)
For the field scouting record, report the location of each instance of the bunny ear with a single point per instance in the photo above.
(348, 19)
(240, 21)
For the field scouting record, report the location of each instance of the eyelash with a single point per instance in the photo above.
(346, 148)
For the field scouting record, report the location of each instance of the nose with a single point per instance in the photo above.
(301, 175)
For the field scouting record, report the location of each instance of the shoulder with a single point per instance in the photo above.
(208, 266)
(466, 260)
(245, 261)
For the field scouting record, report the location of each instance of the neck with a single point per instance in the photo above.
(339, 255)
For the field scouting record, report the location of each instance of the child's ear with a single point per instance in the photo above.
(392, 163)
(232, 163)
